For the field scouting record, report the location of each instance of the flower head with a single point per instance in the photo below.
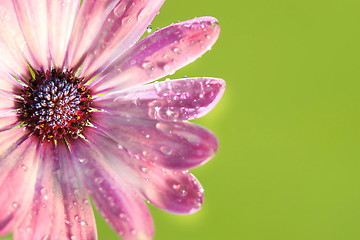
(77, 117)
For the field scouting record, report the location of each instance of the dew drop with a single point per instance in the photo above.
(183, 192)
(24, 167)
(163, 128)
(77, 218)
(171, 113)
(149, 66)
(149, 29)
(176, 186)
(166, 150)
(99, 180)
(77, 192)
(157, 86)
(144, 170)
(82, 160)
(177, 51)
(120, 9)
(16, 205)
(123, 216)
(145, 154)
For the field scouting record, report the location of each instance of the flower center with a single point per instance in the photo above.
(55, 105)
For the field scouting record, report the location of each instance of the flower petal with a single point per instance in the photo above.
(182, 99)
(174, 145)
(8, 120)
(61, 17)
(18, 164)
(59, 210)
(8, 117)
(160, 54)
(87, 24)
(34, 28)
(173, 191)
(122, 28)
(117, 202)
(13, 46)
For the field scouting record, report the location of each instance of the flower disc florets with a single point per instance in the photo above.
(55, 105)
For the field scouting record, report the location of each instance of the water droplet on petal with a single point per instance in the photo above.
(16, 205)
(148, 66)
(82, 160)
(166, 150)
(149, 29)
(99, 180)
(177, 51)
(144, 170)
(24, 167)
(176, 186)
(120, 9)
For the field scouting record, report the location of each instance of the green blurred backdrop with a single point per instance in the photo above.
(288, 167)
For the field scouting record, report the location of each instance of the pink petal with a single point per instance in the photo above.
(61, 17)
(13, 46)
(10, 139)
(18, 166)
(182, 99)
(8, 120)
(174, 145)
(7, 101)
(173, 191)
(91, 17)
(8, 83)
(122, 28)
(117, 202)
(35, 29)
(8, 117)
(59, 209)
(160, 54)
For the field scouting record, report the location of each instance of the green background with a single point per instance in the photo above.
(288, 167)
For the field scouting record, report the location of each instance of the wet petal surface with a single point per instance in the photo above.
(120, 205)
(13, 46)
(18, 164)
(125, 24)
(60, 209)
(159, 54)
(61, 13)
(174, 145)
(87, 25)
(183, 99)
(28, 21)
(173, 191)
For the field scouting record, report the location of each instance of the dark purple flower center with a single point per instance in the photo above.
(55, 105)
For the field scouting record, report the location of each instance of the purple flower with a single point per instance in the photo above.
(77, 117)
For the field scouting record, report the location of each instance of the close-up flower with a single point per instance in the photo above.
(80, 115)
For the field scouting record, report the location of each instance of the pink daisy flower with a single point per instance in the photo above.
(78, 117)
